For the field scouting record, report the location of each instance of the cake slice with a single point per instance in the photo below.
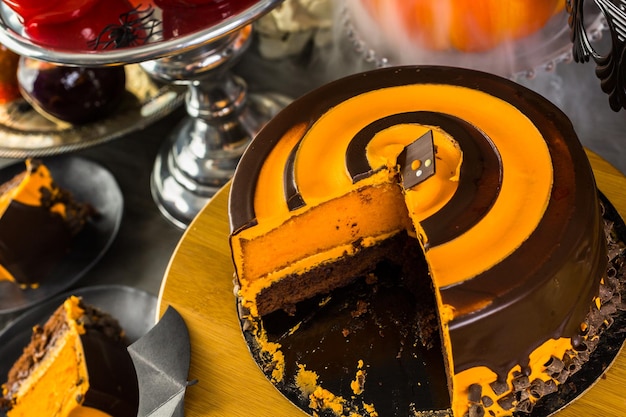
(38, 220)
(75, 364)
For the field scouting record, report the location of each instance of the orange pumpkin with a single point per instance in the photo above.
(465, 25)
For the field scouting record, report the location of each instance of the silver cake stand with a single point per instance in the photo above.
(200, 154)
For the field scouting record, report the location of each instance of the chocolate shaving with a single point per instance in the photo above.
(608, 310)
(605, 293)
(595, 319)
(521, 383)
(555, 365)
(487, 401)
(551, 387)
(561, 377)
(524, 406)
(507, 401)
(584, 356)
(476, 410)
(499, 387)
(474, 393)
(537, 388)
(522, 395)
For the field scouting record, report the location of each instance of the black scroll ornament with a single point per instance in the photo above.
(610, 67)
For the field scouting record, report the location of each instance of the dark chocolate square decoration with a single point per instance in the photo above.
(417, 161)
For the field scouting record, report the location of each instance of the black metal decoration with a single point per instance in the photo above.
(135, 27)
(609, 66)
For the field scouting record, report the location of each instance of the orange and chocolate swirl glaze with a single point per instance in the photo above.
(509, 222)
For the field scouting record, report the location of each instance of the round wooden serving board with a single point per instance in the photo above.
(199, 284)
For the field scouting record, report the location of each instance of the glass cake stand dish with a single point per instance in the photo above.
(164, 34)
(380, 42)
(180, 43)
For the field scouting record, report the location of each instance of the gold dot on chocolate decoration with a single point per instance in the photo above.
(416, 164)
(428, 163)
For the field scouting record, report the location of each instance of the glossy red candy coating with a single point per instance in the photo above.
(51, 11)
(80, 33)
(186, 3)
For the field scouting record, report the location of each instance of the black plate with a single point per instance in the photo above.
(405, 376)
(89, 182)
(133, 308)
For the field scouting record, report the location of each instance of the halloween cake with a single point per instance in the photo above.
(76, 364)
(38, 221)
(484, 177)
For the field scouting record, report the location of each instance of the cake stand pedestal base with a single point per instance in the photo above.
(202, 153)
(222, 117)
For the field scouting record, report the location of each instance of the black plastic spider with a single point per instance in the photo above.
(136, 27)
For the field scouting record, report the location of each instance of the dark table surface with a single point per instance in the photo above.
(140, 254)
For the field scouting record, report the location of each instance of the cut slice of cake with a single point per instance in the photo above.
(76, 364)
(38, 220)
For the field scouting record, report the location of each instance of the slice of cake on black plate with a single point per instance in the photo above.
(38, 220)
(76, 364)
